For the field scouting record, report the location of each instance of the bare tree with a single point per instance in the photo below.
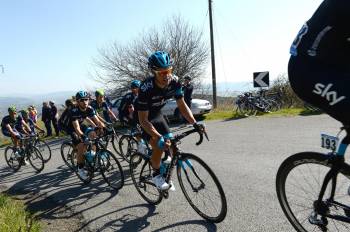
(118, 64)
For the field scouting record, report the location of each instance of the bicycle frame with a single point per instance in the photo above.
(337, 160)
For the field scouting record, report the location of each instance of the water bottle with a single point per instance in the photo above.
(142, 147)
(90, 156)
(163, 168)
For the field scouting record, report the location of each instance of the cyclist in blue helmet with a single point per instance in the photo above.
(126, 109)
(79, 132)
(103, 110)
(154, 92)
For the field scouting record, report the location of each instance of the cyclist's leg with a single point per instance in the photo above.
(91, 134)
(324, 86)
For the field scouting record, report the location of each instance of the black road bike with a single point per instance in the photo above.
(198, 182)
(16, 157)
(313, 188)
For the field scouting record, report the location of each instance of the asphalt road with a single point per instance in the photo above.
(245, 155)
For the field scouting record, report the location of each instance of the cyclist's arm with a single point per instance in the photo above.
(26, 127)
(147, 125)
(90, 122)
(100, 118)
(9, 128)
(185, 111)
(77, 128)
(112, 115)
(37, 127)
(96, 120)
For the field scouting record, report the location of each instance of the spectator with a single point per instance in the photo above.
(54, 117)
(46, 118)
(188, 89)
(33, 113)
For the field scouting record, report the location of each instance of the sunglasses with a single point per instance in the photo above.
(83, 100)
(164, 72)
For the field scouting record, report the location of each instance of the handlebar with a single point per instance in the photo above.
(177, 138)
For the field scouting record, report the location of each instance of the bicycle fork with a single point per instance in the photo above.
(186, 163)
(322, 207)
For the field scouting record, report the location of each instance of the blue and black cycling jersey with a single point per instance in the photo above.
(101, 109)
(19, 124)
(77, 114)
(326, 35)
(152, 98)
(127, 100)
(7, 120)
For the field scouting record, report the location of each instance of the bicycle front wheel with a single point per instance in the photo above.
(298, 184)
(111, 169)
(127, 146)
(68, 154)
(36, 159)
(13, 161)
(141, 175)
(201, 188)
(44, 149)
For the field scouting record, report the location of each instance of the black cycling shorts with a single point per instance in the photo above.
(75, 137)
(322, 85)
(160, 124)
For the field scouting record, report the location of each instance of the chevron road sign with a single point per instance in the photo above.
(261, 79)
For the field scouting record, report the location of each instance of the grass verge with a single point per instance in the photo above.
(14, 217)
(229, 114)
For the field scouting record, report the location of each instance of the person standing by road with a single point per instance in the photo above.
(54, 116)
(188, 89)
(46, 118)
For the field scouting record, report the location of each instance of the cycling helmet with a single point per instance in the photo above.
(135, 84)
(81, 95)
(24, 113)
(159, 59)
(12, 109)
(68, 102)
(187, 77)
(99, 92)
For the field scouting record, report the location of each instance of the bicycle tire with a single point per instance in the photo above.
(35, 155)
(127, 146)
(115, 142)
(192, 168)
(67, 156)
(286, 173)
(42, 145)
(108, 164)
(141, 175)
(11, 159)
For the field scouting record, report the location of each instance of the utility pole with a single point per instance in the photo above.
(212, 54)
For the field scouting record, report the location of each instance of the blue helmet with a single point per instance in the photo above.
(135, 84)
(81, 95)
(159, 59)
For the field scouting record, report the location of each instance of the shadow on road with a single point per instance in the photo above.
(126, 221)
(53, 192)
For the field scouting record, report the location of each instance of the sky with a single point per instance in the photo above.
(48, 46)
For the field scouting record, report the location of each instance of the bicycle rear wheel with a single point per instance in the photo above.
(44, 149)
(111, 169)
(141, 175)
(68, 154)
(36, 159)
(12, 161)
(201, 188)
(298, 184)
(127, 146)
